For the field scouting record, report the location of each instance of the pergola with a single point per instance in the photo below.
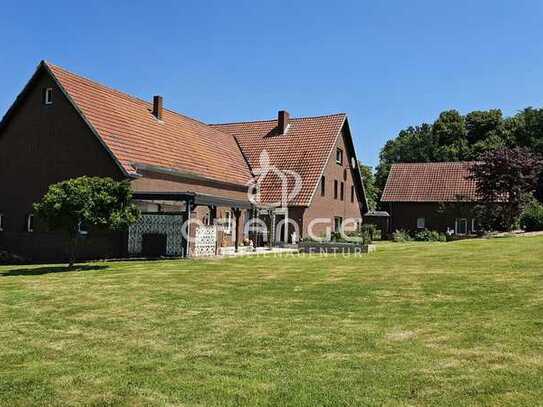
(193, 199)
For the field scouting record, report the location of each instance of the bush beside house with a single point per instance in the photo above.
(532, 217)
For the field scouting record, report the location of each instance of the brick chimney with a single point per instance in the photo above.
(157, 107)
(282, 121)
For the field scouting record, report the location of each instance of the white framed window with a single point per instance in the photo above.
(421, 223)
(30, 223)
(339, 156)
(82, 229)
(461, 226)
(1, 222)
(48, 96)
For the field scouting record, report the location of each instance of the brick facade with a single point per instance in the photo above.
(39, 146)
(328, 206)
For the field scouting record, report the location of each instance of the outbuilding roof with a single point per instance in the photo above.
(430, 182)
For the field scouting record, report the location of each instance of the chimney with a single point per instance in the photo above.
(282, 121)
(157, 107)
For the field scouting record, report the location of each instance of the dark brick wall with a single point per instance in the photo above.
(403, 215)
(42, 145)
(328, 207)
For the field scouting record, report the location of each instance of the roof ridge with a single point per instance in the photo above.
(273, 120)
(127, 95)
(438, 162)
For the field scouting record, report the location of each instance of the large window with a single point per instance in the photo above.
(323, 185)
(335, 189)
(339, 156)
(461, 226)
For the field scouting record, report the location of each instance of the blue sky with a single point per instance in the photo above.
(388, 64)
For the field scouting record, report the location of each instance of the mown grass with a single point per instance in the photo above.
(449, 324)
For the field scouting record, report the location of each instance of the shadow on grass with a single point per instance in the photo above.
(37, 271)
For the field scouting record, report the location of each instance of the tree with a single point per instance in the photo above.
(483, 124)
(449, 130)
(528, 129)
(369, 185)
(90, 201)
(504, 177)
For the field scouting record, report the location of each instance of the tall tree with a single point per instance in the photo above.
(369, 185)
(90, 201)
(449, 130)
(528, 129)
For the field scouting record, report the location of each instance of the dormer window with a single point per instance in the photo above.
(339, 156)
(48, 96)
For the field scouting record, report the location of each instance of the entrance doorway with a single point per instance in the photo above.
(154, 244)
(461, 226)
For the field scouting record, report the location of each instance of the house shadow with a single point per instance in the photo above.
(38, 271)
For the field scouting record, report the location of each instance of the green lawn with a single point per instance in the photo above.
(446, 324)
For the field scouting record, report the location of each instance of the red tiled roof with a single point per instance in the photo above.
(127, 127)
(430, 182)
(304, 149)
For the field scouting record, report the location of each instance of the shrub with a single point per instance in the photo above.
(368, 232)
(400, 236)
(532, 217)
(430, 236)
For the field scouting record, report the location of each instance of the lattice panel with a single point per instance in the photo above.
(170, 225)
(206, 241)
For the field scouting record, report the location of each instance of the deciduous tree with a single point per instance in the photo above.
(504, 177)
(91, 201)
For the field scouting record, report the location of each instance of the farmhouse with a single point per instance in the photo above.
(296, 176)
(434, 196)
